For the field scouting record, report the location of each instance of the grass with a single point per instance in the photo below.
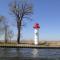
(21, 44)
(41, 44)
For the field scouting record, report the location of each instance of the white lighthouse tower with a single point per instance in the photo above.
(36, 33)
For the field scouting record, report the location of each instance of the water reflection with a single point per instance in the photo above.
(35, 53)
(29, 53)
(9, 52)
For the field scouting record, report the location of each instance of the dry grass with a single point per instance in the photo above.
(41, 43)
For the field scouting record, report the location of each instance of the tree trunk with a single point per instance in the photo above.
(19, 30)
(18, 37)
(5, 34)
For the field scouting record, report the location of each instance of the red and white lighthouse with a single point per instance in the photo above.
(36, 33)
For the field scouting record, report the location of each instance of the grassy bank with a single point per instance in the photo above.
(26, 43)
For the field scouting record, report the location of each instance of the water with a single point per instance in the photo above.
(29, 54)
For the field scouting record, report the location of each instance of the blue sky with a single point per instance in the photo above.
(45, 12)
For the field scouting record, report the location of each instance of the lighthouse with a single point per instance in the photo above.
(36, 33)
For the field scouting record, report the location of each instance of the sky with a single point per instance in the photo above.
(45, 12)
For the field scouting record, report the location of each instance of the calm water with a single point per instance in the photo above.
(29, 53)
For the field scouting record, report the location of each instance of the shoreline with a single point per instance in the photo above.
(31, 44)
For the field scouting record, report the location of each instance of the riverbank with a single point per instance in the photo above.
(31, 44)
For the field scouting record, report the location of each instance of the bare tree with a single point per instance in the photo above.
(2, 19)
(6, 33)
(4, 28)
(10, 34)
(21, 10)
